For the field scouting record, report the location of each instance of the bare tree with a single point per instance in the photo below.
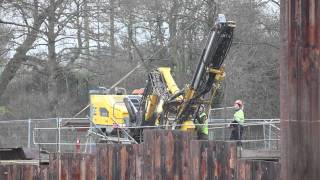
(19, 57)
(61, 47)
(112, 28)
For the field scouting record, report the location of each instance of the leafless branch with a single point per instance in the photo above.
(275, 2)
(256, 43)
(16, 24)
(20, 25)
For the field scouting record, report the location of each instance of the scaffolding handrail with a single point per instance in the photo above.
(158, 126)
(44, 119)
(86, 118)
(212, 126)
(84, 144)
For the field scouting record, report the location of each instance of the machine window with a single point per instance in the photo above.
(134, 101)
(104, 112)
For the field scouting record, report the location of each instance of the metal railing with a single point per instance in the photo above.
(258, 133)
(35, 133)
(51, 135)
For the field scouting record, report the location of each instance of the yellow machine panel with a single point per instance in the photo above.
(108, 109)
(170, 106)
(171, 84)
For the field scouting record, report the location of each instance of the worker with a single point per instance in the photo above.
(202, 124)
(78, 146)
(237, 124)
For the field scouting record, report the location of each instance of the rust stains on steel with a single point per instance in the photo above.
(300, 89)
(28, 172)
(73, 166)
(258, 170)
(117, 161)
(167, 154)
(164, 154)
(213, 159)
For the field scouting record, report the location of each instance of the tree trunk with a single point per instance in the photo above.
(14, 64)
(86, 32)
(210, 13)
(79, 29)
(130, 36)
(160, 36)
(112, 29)
(52, 62)
(173, 34)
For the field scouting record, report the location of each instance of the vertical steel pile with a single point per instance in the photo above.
(72, 166)
(164, 154)
(300, 89)
(213, 160)
(116, 161)
(23, 172)
(257, 170)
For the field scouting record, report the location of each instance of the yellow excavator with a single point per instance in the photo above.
(109, 114)
(162, 104)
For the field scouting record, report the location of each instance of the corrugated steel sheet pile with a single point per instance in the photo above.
(164, 154)
(300, 89)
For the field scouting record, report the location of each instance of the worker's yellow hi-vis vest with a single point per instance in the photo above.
(203, 128)
(239, 116)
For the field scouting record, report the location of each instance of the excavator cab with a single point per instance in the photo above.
(108, 111)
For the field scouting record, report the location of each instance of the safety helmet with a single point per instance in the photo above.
(239, 102)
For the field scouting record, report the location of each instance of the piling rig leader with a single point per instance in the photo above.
(164, 104)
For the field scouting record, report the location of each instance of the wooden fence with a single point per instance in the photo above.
(164, 154)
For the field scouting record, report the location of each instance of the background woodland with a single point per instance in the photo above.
(53, 51)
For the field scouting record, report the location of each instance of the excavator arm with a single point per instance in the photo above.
(164, 103)
(209, 72)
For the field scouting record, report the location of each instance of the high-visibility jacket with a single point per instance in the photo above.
(239, 116)
(203, 120)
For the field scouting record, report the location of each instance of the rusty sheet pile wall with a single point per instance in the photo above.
(257, 170)
(163, 155)
(300, 89)
(23, 172)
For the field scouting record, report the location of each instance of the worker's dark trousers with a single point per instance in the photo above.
(236, 134)
(202, 136)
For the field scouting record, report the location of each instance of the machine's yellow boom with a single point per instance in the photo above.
(163, 102)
